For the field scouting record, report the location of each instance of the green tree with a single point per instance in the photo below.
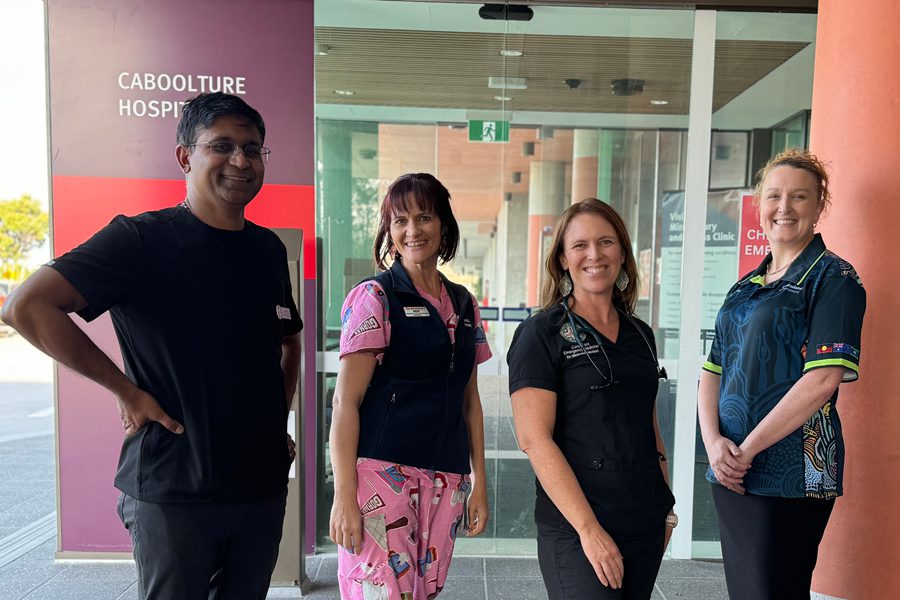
(23, 227)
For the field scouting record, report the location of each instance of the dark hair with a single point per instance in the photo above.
(430, 194)
(797, 159)
(201, 112)
(550, 294)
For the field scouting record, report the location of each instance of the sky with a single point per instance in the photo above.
(23, 103)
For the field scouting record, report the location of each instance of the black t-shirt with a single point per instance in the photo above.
(200, 314)
(604, 413)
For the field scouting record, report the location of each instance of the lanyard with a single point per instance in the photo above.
(574, 318)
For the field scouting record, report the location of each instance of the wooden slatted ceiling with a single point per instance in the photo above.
(797, 5)
(435, 69)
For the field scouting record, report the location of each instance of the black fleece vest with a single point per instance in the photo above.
(412, 413)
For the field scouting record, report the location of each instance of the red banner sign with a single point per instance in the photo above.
(754, 246)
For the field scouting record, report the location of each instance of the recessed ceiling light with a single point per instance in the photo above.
(659, 102)
(507, 83)
(502, 98)
(345, 92)
(321, 50)
(513, 53)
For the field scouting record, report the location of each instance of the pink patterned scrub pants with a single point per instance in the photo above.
(411, 518)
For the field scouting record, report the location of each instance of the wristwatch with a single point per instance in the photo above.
(672, 520)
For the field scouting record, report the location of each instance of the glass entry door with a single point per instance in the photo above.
(519, 120)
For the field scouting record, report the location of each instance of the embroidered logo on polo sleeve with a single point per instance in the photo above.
(283, 313)
(838, 348)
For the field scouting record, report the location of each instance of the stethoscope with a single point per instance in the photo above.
(585, 326)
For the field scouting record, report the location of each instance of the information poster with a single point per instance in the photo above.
(720, 261)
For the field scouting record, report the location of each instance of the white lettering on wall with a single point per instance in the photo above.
(188, 84)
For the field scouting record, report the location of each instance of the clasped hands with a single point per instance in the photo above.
(729, 463)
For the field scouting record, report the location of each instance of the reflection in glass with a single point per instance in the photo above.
(420, 78)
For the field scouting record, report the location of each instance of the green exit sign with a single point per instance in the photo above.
(488, 131)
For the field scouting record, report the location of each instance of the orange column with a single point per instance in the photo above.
(546, 201)
(856, 127)
(585, 151)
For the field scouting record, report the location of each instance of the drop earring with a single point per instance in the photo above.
(622, 280)
(565, 284)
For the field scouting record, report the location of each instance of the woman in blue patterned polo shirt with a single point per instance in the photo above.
(786, 336)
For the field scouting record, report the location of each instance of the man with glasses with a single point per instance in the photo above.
(201, 302)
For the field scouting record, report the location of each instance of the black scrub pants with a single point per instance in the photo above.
(769, 544)
(568, 575)
(215, 551)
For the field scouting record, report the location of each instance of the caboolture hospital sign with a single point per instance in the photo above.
(184, 83)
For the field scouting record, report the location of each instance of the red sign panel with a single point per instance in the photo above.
(754, 246)
(119, 74)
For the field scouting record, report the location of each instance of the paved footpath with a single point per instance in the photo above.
(28, 541)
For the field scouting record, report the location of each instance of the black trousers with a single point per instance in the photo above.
(569, 576)
(769, 545)
(217, 551)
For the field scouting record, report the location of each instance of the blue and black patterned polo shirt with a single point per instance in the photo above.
(767, 337)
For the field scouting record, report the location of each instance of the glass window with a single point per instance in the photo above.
(518, 120)
(751, 122)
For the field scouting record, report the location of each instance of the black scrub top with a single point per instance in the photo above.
(604, 420)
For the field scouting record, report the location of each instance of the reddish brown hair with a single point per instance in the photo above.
(424, 190)
(797, 159)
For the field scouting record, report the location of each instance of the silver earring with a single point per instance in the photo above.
(622, 280)
(565, 284)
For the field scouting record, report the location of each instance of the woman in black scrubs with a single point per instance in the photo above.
(583, 377)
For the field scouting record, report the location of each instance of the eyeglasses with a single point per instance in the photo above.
(229, 149)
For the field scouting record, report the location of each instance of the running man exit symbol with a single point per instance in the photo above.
(489, 131)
